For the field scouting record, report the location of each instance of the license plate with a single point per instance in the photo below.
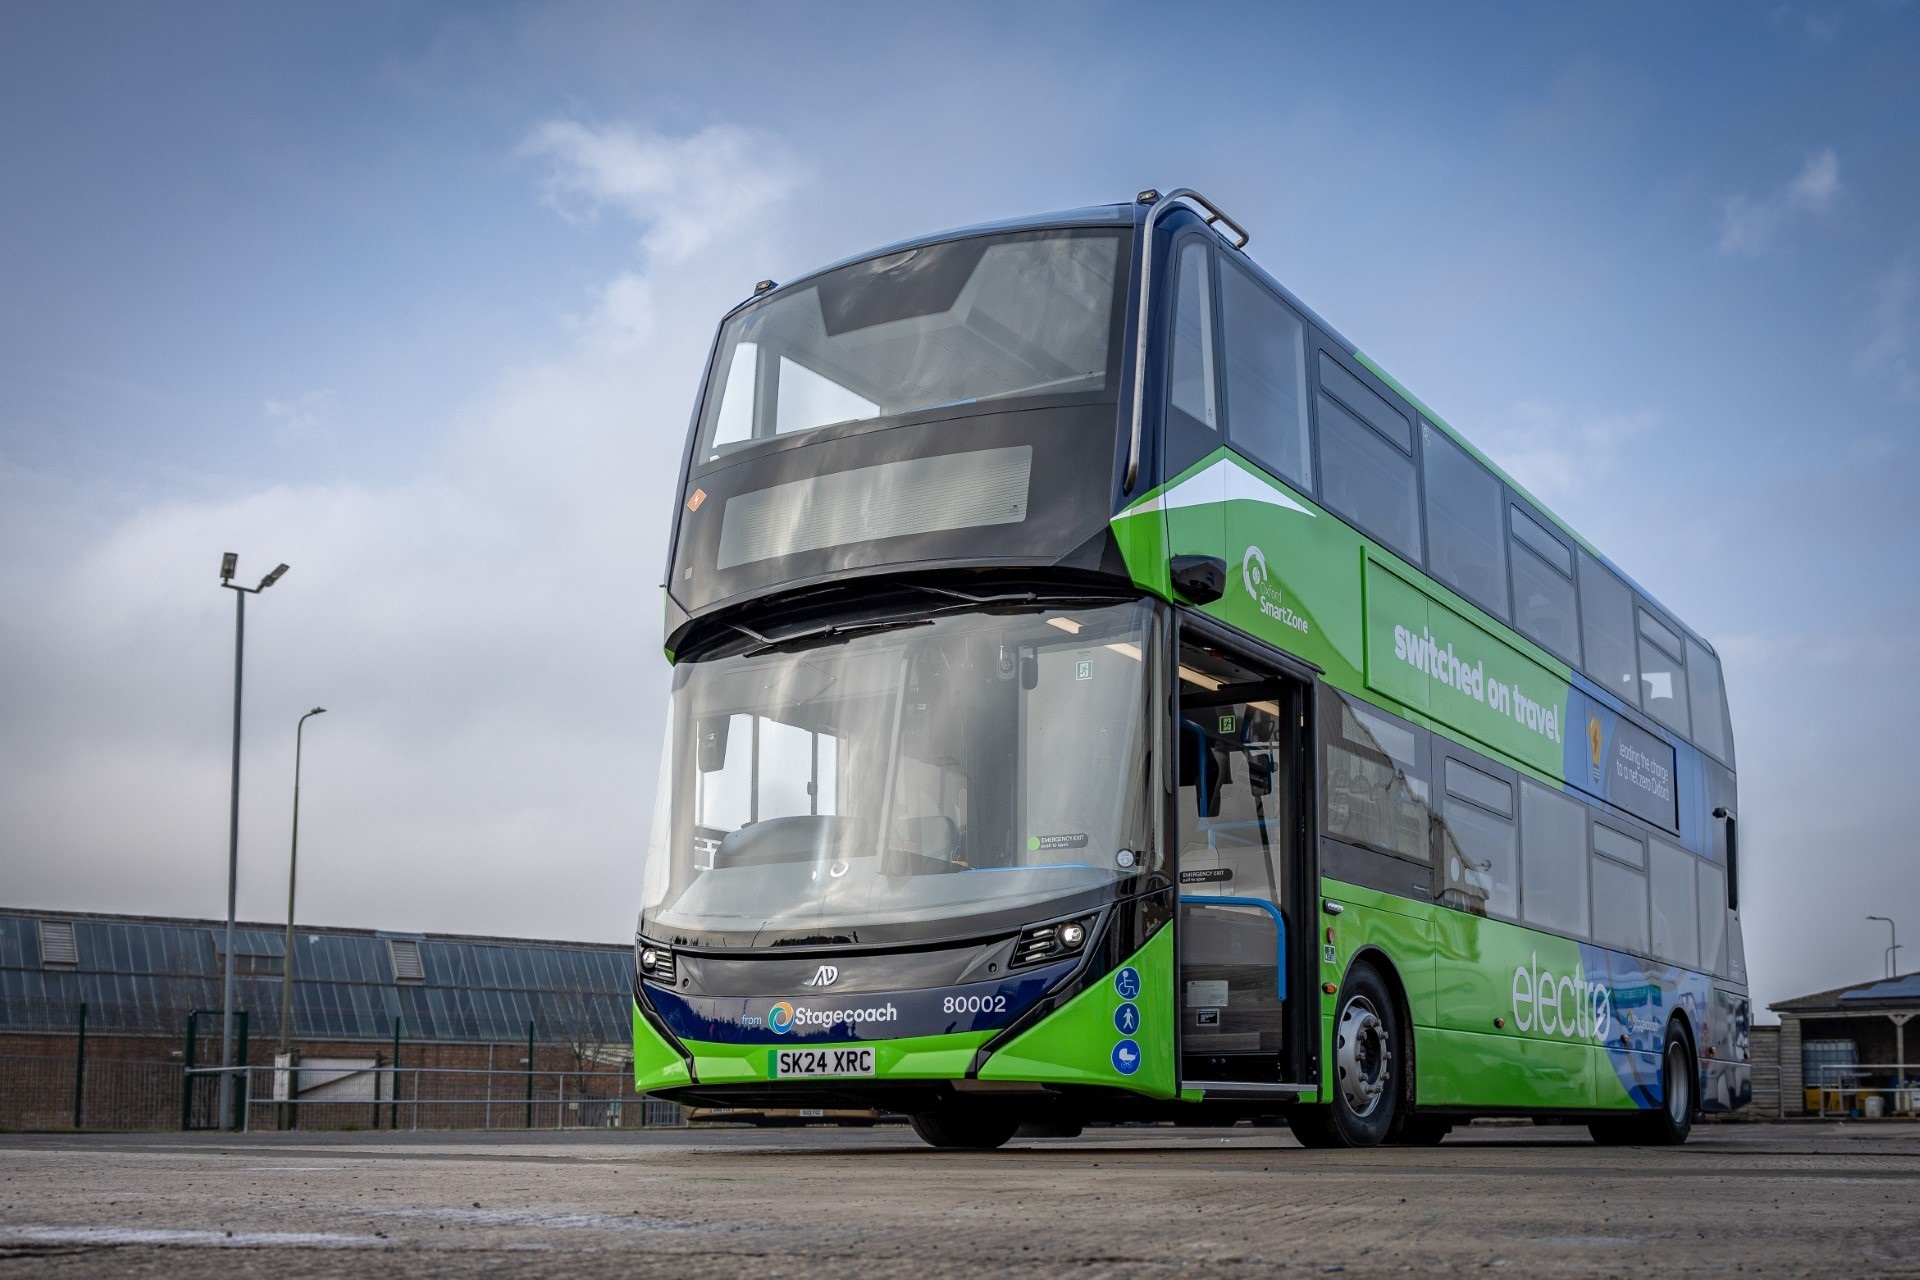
(789, 1063)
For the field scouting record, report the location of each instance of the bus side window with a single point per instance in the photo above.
(1606, 618)
(1480, 869)
(1553, 860)
(1266, 376)
(1191, 381)
(1663, 680)
(1466, 548)
(1545, 609)
(1676, 921)
(1366, 460)
(1710, 729)
(1620, 890)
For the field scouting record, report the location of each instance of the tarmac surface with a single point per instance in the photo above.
(1760, 1199)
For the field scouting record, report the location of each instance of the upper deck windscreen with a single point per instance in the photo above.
(987, 318)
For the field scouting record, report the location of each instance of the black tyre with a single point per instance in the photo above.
(1368, 1057)
(1668, 1124)
(1679, 1092)
(964, 1130)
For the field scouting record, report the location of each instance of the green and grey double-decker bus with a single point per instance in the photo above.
(1102, 693)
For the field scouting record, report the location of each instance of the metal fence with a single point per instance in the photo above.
(1865, 1090)
(61, 1092)
(416, 1098)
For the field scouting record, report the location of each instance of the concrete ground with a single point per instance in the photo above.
(1827, 1200)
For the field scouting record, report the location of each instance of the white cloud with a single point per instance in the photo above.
(685, 192)
(1752, 224)
(1556, 452)
(298, 419)
(1891, 332)
(485, 636)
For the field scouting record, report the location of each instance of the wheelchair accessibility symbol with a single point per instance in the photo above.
(1127, 983)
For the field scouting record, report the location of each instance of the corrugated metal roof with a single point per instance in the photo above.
(141, 975)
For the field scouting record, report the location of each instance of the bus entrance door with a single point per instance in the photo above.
(1239, 830)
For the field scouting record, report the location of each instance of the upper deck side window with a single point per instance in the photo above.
(1236, 367)
(1606, 623)
(1711, 732)
(1663, 674)
(982, 319)
(1266, 382)
(1466, 546)
(1193, 382)
(1545, 608)
(1366, 459)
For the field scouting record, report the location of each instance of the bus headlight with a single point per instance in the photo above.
(1041, 943)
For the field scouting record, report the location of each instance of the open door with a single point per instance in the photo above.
(1242, 758)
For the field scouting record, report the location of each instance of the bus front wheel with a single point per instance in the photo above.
(968, 1130)
(1367, 1061)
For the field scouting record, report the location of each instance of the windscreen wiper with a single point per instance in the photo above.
(764, 644)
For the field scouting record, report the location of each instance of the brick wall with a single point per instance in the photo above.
(1764, 1045)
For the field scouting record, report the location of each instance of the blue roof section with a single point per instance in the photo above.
(1906, 987)
(141, 976)
(1900, 992)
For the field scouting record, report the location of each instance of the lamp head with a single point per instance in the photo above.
(317, 711)
(228, 564)
(271, 578)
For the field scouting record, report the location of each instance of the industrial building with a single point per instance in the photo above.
(96, 1012)
(1846, 1051)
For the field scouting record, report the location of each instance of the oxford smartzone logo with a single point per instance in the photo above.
(1264, 593)
(1563, 1005)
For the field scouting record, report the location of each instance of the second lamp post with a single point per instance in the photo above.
(285, 1060)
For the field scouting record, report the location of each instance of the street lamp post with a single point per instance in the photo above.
(1893, 939)
(228, 564)
(286, 964)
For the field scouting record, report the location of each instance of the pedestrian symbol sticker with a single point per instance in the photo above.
(1126, 1057)
(1126, 1019)
(1127, 983)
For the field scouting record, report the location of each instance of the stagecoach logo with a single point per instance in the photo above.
(784, 1016)
(825, 976)
(1265, 594)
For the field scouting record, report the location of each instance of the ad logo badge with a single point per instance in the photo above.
(825, 976)
(1265, 594)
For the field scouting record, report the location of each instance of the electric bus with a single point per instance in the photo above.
(1102, 693)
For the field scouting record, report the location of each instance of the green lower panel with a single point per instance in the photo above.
(656, 1064)
(1469, 1068)
(1080, 1044)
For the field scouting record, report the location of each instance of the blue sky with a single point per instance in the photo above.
(415, 298)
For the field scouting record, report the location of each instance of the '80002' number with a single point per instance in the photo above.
(974, 1004)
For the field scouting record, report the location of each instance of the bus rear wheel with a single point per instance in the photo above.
(1670, 1123)
(964, 1130)
(1367, 1061)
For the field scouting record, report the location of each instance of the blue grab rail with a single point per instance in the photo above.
(1279, 928)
